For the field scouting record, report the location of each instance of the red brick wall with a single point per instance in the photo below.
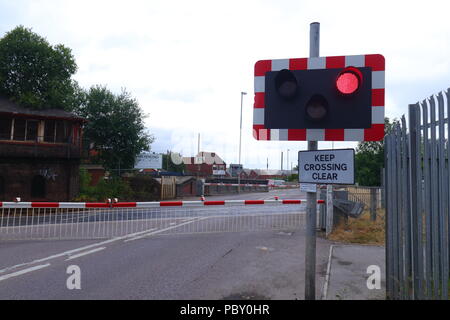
(96, 175)
(62, 181)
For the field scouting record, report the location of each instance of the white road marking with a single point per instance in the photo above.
(327, 277)
(85, 253)
(65, 253)
(135, 238)
(21, 272)
(162, 230)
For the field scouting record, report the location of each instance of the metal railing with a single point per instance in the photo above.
(418, 202)
(48, 221)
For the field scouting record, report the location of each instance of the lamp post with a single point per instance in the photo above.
(240, 143)
(287, 160)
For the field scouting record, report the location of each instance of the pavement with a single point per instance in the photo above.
(347, 273)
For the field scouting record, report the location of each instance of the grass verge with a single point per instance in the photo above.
(361, 230)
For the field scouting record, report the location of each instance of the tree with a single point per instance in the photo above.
(115, 127)
(169, 165)
(369, 159)
(36, 74)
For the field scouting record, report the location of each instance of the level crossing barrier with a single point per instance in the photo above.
(70, 220)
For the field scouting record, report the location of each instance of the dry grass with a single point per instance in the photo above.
(361, 230)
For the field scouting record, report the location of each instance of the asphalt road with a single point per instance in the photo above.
(150, 265)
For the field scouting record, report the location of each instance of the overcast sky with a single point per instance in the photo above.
(187, 62)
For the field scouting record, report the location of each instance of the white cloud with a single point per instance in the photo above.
(186, 62)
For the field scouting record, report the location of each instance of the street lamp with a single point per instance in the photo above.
(287, 164)
(240, 143)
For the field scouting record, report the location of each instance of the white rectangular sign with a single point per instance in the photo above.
(327, 166)
(149, 161)
(307, 187)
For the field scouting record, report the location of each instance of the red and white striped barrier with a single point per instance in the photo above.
(285, 186)
(87, 205)
(234, 185)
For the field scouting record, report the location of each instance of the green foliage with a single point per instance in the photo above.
(293, 178)
(145, 188)
(168, 164)
(368, 168)
(369, 159)
(105, 189)
(85, 180)
(36, 74)
(115, 126)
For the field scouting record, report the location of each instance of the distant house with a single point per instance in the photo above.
(274, 174)
(253, 174)
(261, 174)
(205, 164)
(40, 153)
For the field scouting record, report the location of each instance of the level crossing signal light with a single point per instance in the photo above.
(320, 99)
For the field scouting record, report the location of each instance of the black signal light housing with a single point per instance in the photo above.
(318, 99)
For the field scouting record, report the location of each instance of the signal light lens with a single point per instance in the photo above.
(286, 84)
(317, 108)
(349, 81)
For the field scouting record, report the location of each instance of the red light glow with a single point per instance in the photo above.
(347, 82)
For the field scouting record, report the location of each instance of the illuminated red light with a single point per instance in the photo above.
(348, 81)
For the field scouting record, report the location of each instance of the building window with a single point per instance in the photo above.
(25, 130)
(2, 186)
(49, 131)
(32, 130)
(56, 131)
(61, 132)
(5, 129)
(19, 129)
(38, 187)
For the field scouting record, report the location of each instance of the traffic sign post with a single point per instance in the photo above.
(311, 197)
(339, 98)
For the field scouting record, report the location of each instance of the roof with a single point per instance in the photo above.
(274, 172)
(9, 107)
(211, 155)
(181, 180)
(208, 158)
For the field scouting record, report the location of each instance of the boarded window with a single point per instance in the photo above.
(5, 129)
(49, 131)
(32, 130)
(38, 187)
(19, 129)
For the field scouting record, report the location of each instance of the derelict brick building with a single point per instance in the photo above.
(40, 152)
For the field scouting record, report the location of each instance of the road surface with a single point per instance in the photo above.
(149, 265)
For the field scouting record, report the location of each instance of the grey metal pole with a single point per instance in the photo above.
(240, 143)
(311, 197)
(287, 160)
(373, 204)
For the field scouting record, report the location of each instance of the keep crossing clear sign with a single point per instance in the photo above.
(327, 166)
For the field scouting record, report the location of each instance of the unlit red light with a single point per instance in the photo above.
(347, 82)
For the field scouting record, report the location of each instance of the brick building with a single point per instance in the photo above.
(40, 153)
(205, 164)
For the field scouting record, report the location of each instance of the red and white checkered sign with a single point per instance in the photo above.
(376, 133)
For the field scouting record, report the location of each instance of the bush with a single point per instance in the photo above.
(105, 189)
